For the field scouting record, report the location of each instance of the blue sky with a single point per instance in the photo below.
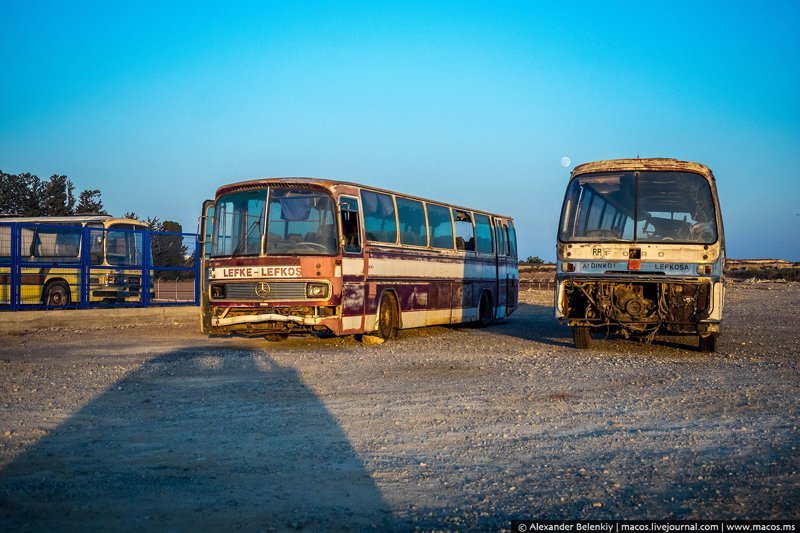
(158, 104)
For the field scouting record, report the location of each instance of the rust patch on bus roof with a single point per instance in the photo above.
(653, 163)
(300, 183)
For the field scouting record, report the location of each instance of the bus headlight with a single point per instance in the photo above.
(317, 290)
(703, 269)
(217, 291)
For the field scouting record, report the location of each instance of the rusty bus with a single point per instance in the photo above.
(287, 256)
(52, 248)
(640, 251)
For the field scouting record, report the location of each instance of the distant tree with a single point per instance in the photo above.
(534, 260)
(169, 225)
(20, 194)
(132, 215)
(168, 249)
(89, 202)
(58, 196)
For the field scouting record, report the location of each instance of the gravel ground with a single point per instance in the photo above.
(444, 428)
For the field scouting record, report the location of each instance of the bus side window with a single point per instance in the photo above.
(380, 220)
(411, 215)
(465, 232)
(440, 226)
(28, 241)
(67, 244)
(96, 238)
(57, 242)
(483, 234)
(351, 233)
(512, 240)
(5, 241)
(502, 238)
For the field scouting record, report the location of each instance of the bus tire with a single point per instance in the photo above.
(485, 314)
(708, 343)
(388, 317)
(582, 337)
(56, 294)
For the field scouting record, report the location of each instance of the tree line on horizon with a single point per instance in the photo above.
(27, 195)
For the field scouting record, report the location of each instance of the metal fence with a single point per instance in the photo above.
(56, 266)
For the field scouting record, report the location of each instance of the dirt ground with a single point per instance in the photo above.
(158, 427)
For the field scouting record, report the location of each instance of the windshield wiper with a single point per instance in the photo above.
(240, 246)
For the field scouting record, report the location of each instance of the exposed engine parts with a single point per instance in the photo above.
(637, 308)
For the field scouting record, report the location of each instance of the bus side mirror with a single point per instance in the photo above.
(200, 220)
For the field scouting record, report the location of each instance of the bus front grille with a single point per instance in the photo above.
(265, 292)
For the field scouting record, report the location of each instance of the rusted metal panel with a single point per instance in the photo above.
(654, 163)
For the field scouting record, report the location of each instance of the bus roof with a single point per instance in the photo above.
(106, 220)
(653, 163)
(306, 182)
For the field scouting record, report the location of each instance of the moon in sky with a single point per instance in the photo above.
(565, 162)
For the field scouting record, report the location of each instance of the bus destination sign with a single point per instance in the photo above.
(255, 272)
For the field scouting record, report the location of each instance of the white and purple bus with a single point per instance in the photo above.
(299, 255)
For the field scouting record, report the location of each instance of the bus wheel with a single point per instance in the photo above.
(708, 344)
(387, 317)
(582, 337)
(56, 294)
(484, 311)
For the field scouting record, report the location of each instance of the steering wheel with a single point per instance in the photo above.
(648, 222)
(701, 232)
(312, 245)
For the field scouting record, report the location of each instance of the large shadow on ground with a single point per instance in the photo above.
(537, 323)
(201, 438)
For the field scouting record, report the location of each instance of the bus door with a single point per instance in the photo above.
(512, 272)
(501, 258)
(205, 234)
(352, 269)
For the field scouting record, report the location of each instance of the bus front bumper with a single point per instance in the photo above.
(266, 317)
(119, 293)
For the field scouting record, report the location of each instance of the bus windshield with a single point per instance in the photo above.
(124, 245)
(646, 206)
(300, 222)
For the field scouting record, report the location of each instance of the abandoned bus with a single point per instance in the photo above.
(51, 252)
(300, 255)
(640, 251)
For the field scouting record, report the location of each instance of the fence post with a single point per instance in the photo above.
(16, 270)
(85, 277)
(197, 269)
(147, 259)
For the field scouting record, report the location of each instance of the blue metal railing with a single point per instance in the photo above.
(44, 266)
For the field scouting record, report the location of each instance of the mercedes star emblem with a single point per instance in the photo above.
(262, 289)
